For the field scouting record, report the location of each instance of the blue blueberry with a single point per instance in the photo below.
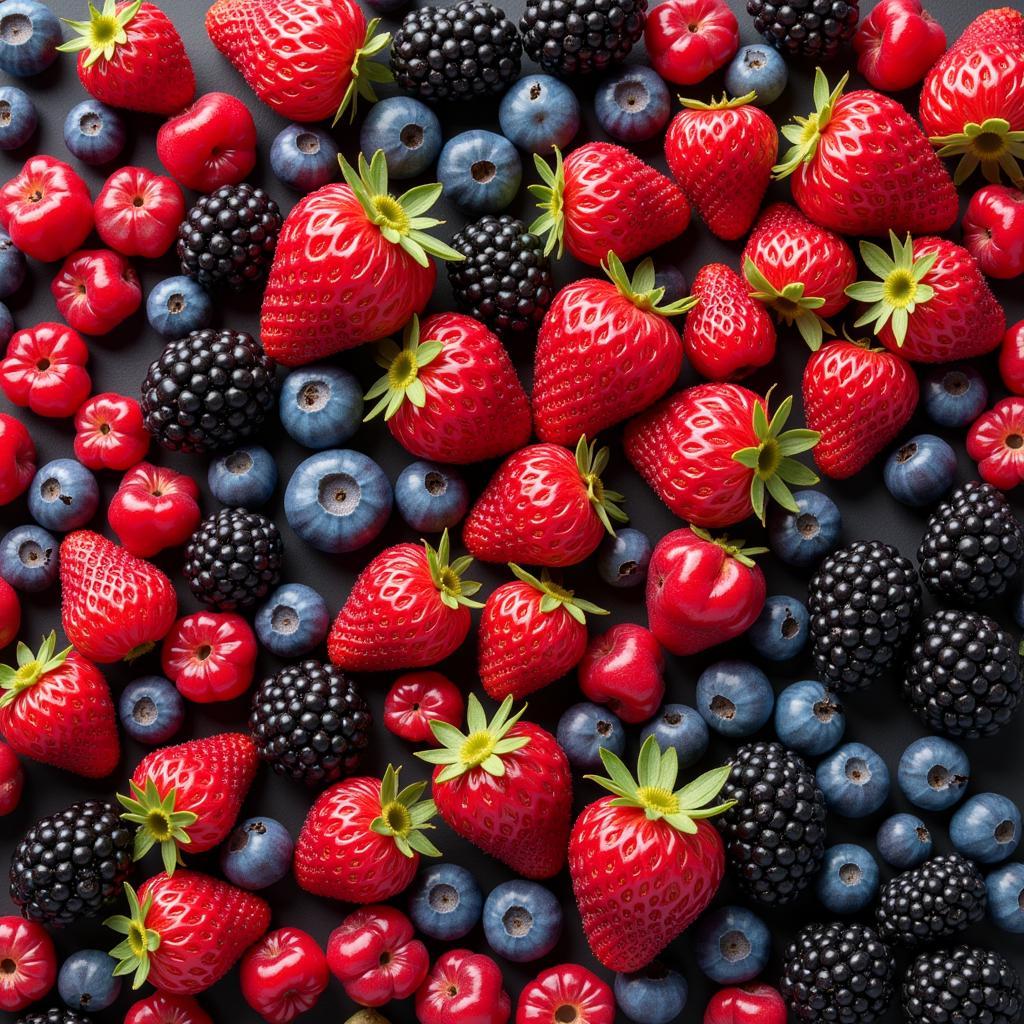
(672, 279)
(63, 496)
(735, 698)
(257, 854)
(445, 902)
(986, 828)
(29, 36)
(87, 982)
(904, 841)
(431, 498)
(151, 710)
(584, 729)
(246, 477)
(94, 133)
(804, 537)
(808, 718)
(633, 104)
(6, 325)
(780, 631)
(539, 112)
(178, 306)
(732, 945)
(759, 69)
(954, 396)
(921, 471)
(321, 406)
(654, 995)
(682, 727)
(409, 133)
(1006, 897)
(848, 881)
(293, 621)
(522, 920)
(304, 157)
(854, 780)
(933, 773)
(12, 266)
(29, 559)
(623, 558)
(18, 118)
(480, 171)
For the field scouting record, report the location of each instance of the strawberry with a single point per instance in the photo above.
(352, 265)
(712, 456)
(114, 606)
(544, 506)
(189, 795)
(605, 351)
(859, 398)
(56, 708)
(722, 154)
(504, 785)
(932, 304)
(861, 165)
(451, 393)
(408, 608)
(185, 932)
(532, 632)
(362, 839)
(131, 56)
(306, 59)
(645, 862)
(799, 270)
(999, 25)
(603, 199)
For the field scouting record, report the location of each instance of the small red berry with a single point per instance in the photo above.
(994, 230)
(210, 656)
(687, 40)
(95, 290)
(12, 778)
(418, 698)
(17, 456)
(283, 975)
(623, 669)
(747, 1004)
(164, 1008)
(10, 615)
(44, 370)
(138, 212)
(109, 432)
(897, 43)
(996, 443)
(1011, 359)
(154, 508)
(29, 963)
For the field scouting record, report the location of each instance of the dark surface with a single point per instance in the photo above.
(119, 363)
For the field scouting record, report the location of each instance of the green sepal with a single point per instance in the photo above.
(404, 816)
(591, 463)
(735, 548)
(805, 132)
(144, 807)
(550, 225)
(790, 305)
(725, 103)
(102, 33)
(30, 668)
(401, 381)
(641, 289)
(554, 596)
(365, 72)
(1002, 157)
(447, 576)
(132, 954)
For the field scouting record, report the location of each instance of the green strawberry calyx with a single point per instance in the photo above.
(641, 289)
(991, 145)
(365, 72)
(403, 365)
(901, 289)
(447, 577)
(30, 668)
(723, 104)
(733, 548)
(790, 304)
(159, 821)
(132, 953)
(805, 132)
(550, 225)
(102, 33)
(404, 816)
(654, 789)
(591, 464)
(554, 596)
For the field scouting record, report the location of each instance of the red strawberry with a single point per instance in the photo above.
(504, 785)
(859, 398)
(185, 932)
(645, 862)
(605, 351)
(352, 265)
(56, 708)
(999, 25)
(604, 199)
(712, 456)
(451, 393)
(362, 839)
(113, 605)
(409, 608)
(131, 56)
(722, 155)
(544, 506)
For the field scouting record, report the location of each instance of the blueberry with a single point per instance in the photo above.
(921, 471)
(623, 558)
(431, 498)
(804, 537)
(672, 279)
(28, 559)
(258, 853)
(584, 729)
(933, 773)
(64, 495)
(654, 995)
(732, 945)
(986, 828)
(18, 118)
(904, 841)
(480, 171)
(304, 157)
(759, 69)
(29, 36)
(808, 718)
(522, 920)
(244, 478)
(12, 266)
(178, 306)
(633, 104)
(854, 780)
(321, 406)
(6, 325)
(848, 881)
(539, 112)
(780, 631)
(1006, 897)
(151, 710)
(86, 980)
(954, 396)
(735, 698)
(293, 621)
(94, 132)
(445, 902)
(409, 133)
(679, 726)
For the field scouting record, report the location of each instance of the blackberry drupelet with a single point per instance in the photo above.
(775, 834)
(963, 674)
(972, 547)
(52, 1017)
(310, 722)
(863, 603)
(505, 280)
(208, 391)
(948, 986)
(451, 53)
(806, 28)
(70, 865)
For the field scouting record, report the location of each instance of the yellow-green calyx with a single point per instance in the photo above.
(901, 289)
(482, 745)
(641, 290)
(805, 132)
(790, 305)
(553, 596)
(734, 548)
(451, 587)
(990, 145)
(404, 816)
(30, 668)
(551, 223)
(365, 72)
(102, 33)
(159, 823)
(132, 954)
(654, 789)
(723, 104)
(591, 464)
(403, 365)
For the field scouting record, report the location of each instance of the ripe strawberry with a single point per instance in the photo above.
(544, 506)
(56, 708)
(504, 785)
(352, 265)
(645, 862)
(861, 166)
(604, 199)
(131, 56)
(189, 795)
(185, 933)
(362, 839)
(712, 456)
(859, 398)
(114, 606)
(722, 155)
(998, 25)
(409, 608)
(605, 351)
(451, 393)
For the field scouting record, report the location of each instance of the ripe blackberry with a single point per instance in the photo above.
(814, 29)
(207, 391)
(52, 1017)
(451, 53)
(310, 722)
(972, 547)
(505, 280)
(229, 236)
(70, 865)
(863, 603)
(581, 37)
(775, 834)
(949, 986)
(963, 674)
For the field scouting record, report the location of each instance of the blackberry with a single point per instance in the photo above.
(453, 53)
(775, 834)
(581, 37)
(229, 236)
(70, 865)
(972, 546)
(815, 29)
(863, 603)
(955, 986)
(207, 391)
(310, 722)
(52, 1017)
(942, 897)
(963, 674)
(505, 280)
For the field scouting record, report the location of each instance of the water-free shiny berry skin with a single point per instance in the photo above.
(539, 112)
(1005, 887)
(445, 902)
(584, 729)
(407, 131)
(654, 995)
(682, 727)
(1011, 355)
(30, 962)
(178, 306)
(282, 975)
(623, 669)
(12, 781)
(522, 920)
(304, 157)
(780, 632)
(86, 980)
(416, 699)
(480, 171)
(954, 396)
(986, 828)
(257, 853)
(63, 495)
(30, 44)
(903, 841)
(94, 133)
(293, 621)
(622, 559)
(809, 718)
(854, 780)
(933, 773)
(758, 69)
(18, 118)
(151, 710)
(29, 559)
(746, 1004)
(920, 471)
(246, 477)
(321, 406)
(632, 104)
(848, 881)
(431, 497)
(732, 945)
(804, 537)
(735, 698)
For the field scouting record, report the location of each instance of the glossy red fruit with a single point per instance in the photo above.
(162, 1008)
(44, 370)
(210, 656)
(17, 456)
(567, 992)
(996, 25)
(154, 508)
(418, 698)
(465, 987)
(993, 230)
(897, 43)
(109, 433)
(1011, 359)
(687, 40)
(623, 669)
(747, 1004)
(95, 290)
(29, 963)
(283, 975)
(138, 212)
(10, 615)
(996, 443)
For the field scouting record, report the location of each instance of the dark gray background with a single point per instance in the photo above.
(119, 362)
